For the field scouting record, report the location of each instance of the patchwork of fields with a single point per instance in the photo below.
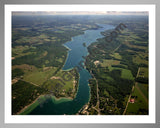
(119, 69)
(38, 56)
(118, 66)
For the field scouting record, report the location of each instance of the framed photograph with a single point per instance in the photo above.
(74, 63)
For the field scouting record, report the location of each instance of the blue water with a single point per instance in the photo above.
(77, 50)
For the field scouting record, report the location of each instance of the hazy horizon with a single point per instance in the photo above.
(80, 13)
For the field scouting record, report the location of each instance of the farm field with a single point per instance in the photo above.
(38, 56)
(116, 65)
(125, 73)
(140, 105)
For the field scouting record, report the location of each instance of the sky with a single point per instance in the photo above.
(79, 13)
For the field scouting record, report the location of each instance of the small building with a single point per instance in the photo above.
(132, 100)
(96, 62)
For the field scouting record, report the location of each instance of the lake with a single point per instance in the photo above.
(53, 106)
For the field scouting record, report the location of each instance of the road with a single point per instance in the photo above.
(97, 105)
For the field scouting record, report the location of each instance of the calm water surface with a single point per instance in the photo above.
(54, 106)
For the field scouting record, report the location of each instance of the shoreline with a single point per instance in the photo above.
(57, 99)
(51, 96)
(23, 109)
(61, 98)
(67, 47)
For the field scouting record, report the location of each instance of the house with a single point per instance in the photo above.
(132, 100)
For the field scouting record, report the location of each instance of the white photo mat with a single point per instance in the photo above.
(76, 118)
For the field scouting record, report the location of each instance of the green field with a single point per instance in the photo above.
(143, 72)
(35, 39)
(18, 51)
(138, 60)
(107, 63)
(63, 83)
(106, 93)
(126, 74)
(39, 77)
(144, 89)
(140, 106)
(116, 55)
(68, 81)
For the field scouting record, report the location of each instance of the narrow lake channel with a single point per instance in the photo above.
(66, 106)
